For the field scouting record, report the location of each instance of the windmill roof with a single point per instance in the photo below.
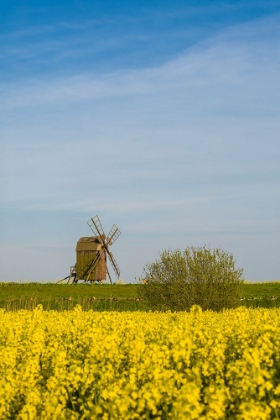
(89, 243)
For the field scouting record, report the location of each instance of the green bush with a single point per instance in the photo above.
(195, 276)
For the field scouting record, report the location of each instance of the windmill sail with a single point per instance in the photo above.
(113, 235)
(114, 264)
(96, 226)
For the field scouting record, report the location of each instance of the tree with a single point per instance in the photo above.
(195, 276)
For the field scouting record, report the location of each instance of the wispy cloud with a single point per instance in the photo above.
(235, 59)
(190, 147)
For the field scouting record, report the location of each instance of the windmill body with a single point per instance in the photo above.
(87, 250)
(92, 254)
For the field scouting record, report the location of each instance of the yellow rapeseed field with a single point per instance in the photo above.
(135, 365)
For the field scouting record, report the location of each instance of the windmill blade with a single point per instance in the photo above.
(96, 227)
(113, 235)
(109, 275)
(114, 264)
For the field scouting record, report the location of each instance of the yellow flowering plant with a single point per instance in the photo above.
(110, 365)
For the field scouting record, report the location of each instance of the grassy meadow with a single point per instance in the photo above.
(100, 297)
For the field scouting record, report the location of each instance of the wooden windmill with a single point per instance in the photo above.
(92, 254)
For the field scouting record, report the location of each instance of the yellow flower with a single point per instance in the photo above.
(197, 365)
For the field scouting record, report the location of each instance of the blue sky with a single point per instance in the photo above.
(159, 116)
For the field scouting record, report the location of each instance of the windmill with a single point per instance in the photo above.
(92, 253)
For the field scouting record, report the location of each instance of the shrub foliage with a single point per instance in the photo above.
(195, 276)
